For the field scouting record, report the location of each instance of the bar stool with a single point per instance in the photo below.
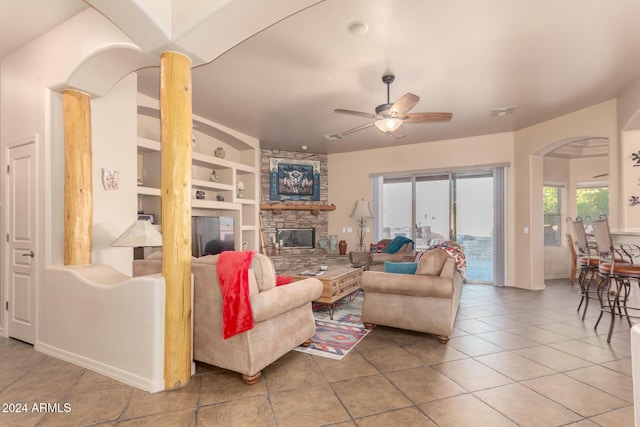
(587, 262)
(617, 272)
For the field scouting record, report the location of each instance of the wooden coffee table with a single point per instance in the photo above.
(337, 283)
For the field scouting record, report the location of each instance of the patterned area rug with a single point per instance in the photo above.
(335, 338)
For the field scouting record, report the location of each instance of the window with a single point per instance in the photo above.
(592, 200)
(552, 215)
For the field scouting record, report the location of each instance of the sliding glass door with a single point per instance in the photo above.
(460, 205)
(396, 202)
(432, 209)
(474, 221)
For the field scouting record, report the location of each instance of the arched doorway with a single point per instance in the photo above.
(569, 167)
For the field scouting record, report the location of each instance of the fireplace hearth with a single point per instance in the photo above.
(296, 237)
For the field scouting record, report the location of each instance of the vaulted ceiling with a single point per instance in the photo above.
(474, 59)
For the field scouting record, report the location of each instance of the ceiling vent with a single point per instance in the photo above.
(502, 111)
(332, 136)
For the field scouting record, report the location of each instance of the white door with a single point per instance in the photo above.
(21, 237)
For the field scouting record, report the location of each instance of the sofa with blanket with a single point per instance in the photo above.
(282, 315)
(424, 301)
(398, 249)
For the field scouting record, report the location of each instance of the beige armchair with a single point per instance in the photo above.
(426, 301)
(282, 316)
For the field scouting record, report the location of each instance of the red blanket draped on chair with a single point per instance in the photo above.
(233, 275)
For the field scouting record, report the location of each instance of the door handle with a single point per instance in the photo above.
(30, 253)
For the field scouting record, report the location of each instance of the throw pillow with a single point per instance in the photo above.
(376, 248)
(283, 280)
(400, 267)
(431, 262)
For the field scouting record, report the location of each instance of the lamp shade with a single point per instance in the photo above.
(240, 185)
(390, 124)
(361, 210)
(140, 233)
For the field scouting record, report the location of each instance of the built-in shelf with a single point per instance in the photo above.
(245, 201)
(198, 183)
(214, 204)
(148, 145)
(212, 177)
(148, 191)
(277, 208)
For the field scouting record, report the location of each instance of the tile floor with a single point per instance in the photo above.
(517, 358)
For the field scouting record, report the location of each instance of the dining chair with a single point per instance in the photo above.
(617, 272)
(587, 261)
(574, 259)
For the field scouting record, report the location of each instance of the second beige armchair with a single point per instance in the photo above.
(426, 301)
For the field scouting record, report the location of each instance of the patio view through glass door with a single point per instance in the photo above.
(434, 207)
(473, 225)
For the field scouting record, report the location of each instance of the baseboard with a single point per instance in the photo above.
(126, 377)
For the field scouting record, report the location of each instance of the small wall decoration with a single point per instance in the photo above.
(636, 158)
(110, 179)
(291, 179)
(634, 201)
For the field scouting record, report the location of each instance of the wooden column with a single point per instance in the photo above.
(175, 187)
(78, 189)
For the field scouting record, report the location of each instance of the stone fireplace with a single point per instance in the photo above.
(292, 257)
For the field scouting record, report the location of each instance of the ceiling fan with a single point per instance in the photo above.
(390, 118)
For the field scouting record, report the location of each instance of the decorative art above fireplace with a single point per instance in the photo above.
(294, 179)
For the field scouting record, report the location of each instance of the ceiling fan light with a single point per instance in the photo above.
(390, 124)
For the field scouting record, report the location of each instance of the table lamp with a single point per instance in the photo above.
(361, 212)
(139, 235)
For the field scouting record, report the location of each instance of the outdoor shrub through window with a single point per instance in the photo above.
(552, 215)
(591, 202)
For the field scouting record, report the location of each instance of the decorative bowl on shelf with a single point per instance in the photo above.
(220, 153)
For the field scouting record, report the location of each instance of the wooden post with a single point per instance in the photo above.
(78, 189)
(175, 187)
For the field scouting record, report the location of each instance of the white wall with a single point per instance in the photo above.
(30, 106)
(630, 180)
(114, 139)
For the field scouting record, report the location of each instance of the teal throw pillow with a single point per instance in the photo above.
(400, 267)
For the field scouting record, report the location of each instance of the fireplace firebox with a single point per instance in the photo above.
(296, 237)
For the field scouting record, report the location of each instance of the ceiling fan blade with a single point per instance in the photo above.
(356, 113)
(426, 117)
(400, 132)
(404, 104)
(356, 129)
